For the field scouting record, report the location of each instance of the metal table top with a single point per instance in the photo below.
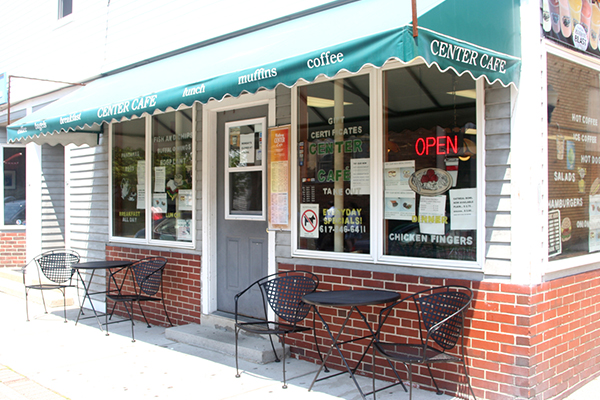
(348, 298)
(102, 264)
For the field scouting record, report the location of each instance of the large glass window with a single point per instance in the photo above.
(14, 186)
(172, 177)
(334, 166)
(166, 190)
(129, 179)
(429, 169)
(573, 159)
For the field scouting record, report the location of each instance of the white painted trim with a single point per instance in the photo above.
(208, 275)
(34, 200)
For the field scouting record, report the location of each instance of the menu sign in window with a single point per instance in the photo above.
(573, 158)
(279, 177)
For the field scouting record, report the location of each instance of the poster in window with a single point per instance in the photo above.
(159, 203)
(400, 204)
(10, 179)
(432, 211)
(463, 209)
(360, 176)
(279, 177)
(185, 198)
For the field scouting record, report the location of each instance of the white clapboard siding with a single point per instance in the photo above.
(53, 198)
(497, 181)
(102, 36)
(88, 200)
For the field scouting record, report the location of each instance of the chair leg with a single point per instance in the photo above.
(468, 379)
(373, 373)
(44, 301)
(410, 385)
(237, 369)
(166, 314)
(64, 293)
(274, 351)
(437, 389)
(27, 303)
(283, 359)
(143, 315)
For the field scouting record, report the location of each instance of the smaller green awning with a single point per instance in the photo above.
(283, 54)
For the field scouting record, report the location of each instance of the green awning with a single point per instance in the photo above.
(340, 39)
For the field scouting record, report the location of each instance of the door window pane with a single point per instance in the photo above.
(245, 169)
(334, 166)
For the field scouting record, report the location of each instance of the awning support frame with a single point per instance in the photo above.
(34, 79)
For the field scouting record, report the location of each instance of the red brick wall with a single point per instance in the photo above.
(13, 245)
(522, 342)
(181, 285)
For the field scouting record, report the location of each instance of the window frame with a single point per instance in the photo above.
(148, 240)
(376, 158)
(228, 215)
(61, 9)
(564, 265)
(2, 203)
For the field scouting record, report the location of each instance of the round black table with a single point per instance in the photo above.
(94, 266)
(352, 299)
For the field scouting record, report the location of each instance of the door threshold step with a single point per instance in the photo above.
(217, 334)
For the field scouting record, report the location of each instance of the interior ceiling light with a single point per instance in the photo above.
(468, 93)
(318, 102)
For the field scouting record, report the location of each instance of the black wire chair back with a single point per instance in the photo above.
(440, 312)
(57, 265)
(147, 287)
(435, 311)
(54, 272)
(284, 295)
(282, 292)
(148, 275)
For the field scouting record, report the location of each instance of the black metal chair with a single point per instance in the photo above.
(54, 272)
(440, 312)
(147, 281)
(282, 292)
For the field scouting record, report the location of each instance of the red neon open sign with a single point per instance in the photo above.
(440, 145)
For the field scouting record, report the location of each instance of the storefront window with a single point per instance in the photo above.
(172, 195)
(334, 166)
(14, 186)
(429, 170)
(168, 187)
(573, 159)
(128, 179)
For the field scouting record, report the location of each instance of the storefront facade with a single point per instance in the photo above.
(375, 160)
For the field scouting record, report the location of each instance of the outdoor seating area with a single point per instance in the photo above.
(128, 282)
(422, 328)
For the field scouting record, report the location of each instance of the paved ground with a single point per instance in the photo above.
(48, 359)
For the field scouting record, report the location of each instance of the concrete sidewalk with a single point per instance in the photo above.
(47, 358)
